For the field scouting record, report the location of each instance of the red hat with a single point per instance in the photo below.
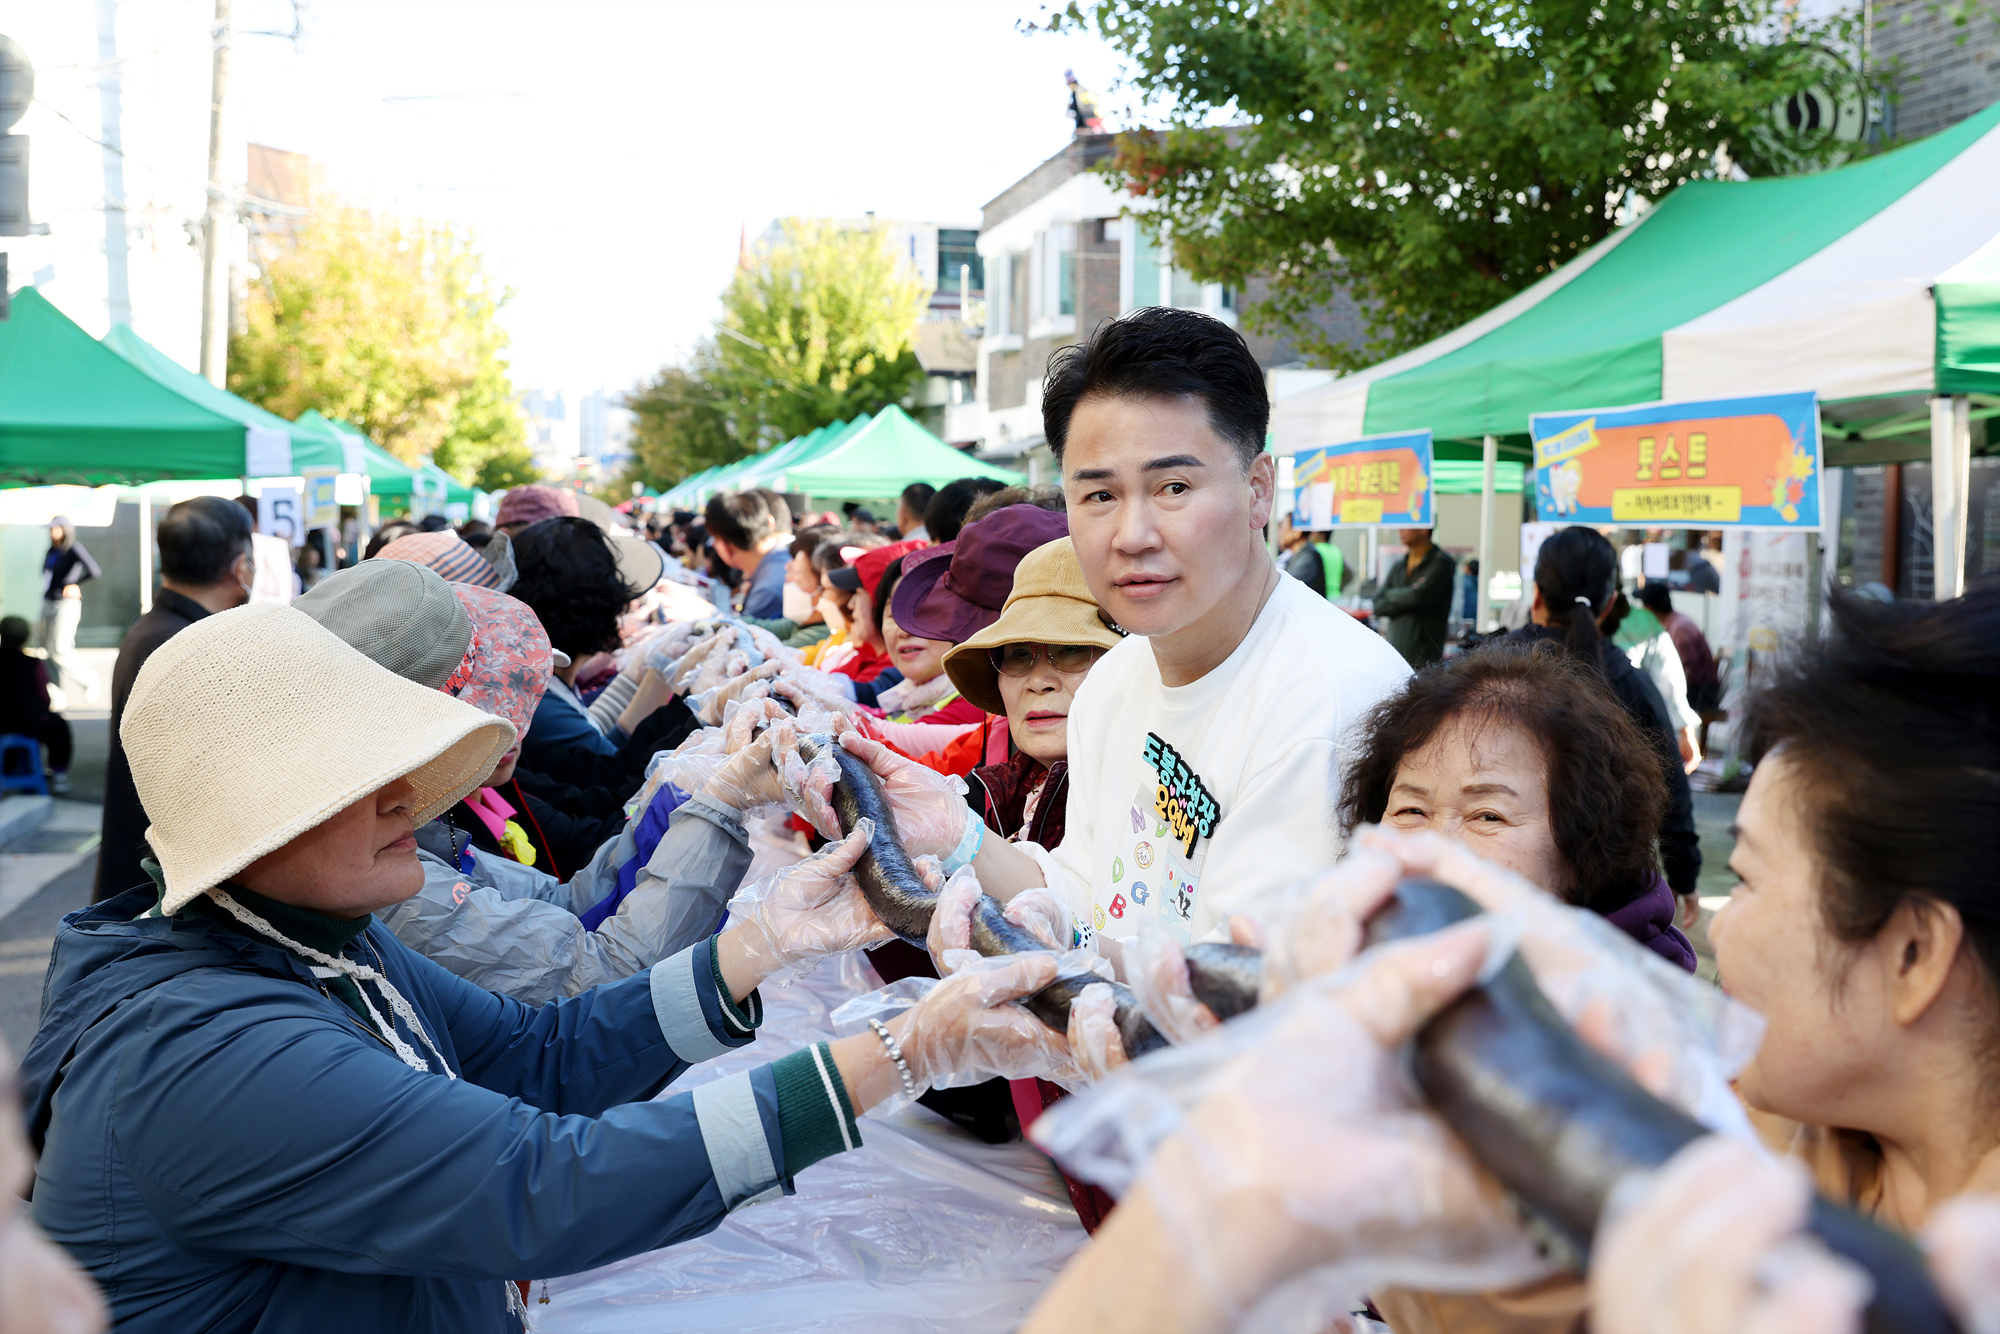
(533, 503)
(869, 567)
(953, 591)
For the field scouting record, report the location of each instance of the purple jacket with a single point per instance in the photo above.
(1649, 919)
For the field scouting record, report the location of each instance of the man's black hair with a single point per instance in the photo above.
(917, 497)
(433, 523)
(748, 517)
(1656, 598)
(570, 580)
(200, 538)
(945, 515)
(1161, 352)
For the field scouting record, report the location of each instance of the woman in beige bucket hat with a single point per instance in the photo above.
(255, 1107)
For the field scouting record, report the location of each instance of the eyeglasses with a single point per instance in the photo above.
(1069, 659)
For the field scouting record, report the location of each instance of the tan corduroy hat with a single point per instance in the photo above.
(252, 726)
(1050, 604)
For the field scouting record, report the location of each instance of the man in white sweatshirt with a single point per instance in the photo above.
(1205, 750)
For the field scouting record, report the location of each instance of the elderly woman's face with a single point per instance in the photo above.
(361, 860)
(1486, 786)
(1038, 702)
(45, 1292)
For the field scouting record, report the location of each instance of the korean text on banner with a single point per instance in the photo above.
(1384, 479)
(1725, 463)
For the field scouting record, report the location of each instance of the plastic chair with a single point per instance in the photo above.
(18, 752)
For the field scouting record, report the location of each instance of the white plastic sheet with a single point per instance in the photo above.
(923, 1229)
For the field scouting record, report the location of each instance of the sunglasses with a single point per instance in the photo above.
(1019, 659)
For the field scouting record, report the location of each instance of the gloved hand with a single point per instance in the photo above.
(682, 670)
(1713, 1241)
(1156, 969)
(967, 1029)
(753, 777)
(1302, 1152)
(929, 807)
(1035, 911)
(1095, 1047)
(718, 668)
(798, 916)
(741, 724)
(1963, 1238)
(753, 684)
(810, 688)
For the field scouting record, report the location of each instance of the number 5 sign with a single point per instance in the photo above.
(279, 513)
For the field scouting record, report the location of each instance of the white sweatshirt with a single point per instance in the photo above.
(1189, 803)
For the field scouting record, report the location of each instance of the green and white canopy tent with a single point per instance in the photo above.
(1876, 285)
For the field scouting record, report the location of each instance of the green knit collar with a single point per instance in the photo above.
(314, 930)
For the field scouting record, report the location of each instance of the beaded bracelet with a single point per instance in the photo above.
(896, 1055)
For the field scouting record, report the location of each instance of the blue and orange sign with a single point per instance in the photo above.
(1384, 479)
(1725, 463)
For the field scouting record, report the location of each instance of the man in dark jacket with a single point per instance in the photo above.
(205, 567)
(1414, 599)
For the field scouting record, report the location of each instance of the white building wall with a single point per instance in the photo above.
(118, 163)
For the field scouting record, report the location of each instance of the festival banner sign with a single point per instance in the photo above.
(1384, 479)
(1724, 463)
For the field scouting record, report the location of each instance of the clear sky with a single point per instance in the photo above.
(611, 152)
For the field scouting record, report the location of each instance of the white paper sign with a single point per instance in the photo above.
(280, 513)
(1319, 506)
(1653, 560)
(322, 507)
(273, 557)
(267, 452)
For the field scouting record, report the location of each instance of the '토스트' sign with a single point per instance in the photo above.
(1726, 463)
(1385, 479)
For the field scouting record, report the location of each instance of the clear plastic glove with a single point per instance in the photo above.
(742, 721)
(1094, 1045)
(682, 670)
(1156, 970)
(1963, 1238)
(1320, 924)
(787, 922)
(752, 780)
(1688, 1039)
(810, 688)
(929, 807)
(1712, 1243)
(1286, 1158)
(967, 1030)
(753, 684)
(1035, 911)
(718, 669)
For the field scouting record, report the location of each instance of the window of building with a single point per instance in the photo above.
(1145, 268)
(958, 247)
(1061, 254)
(1186, 291)
(1226, 296)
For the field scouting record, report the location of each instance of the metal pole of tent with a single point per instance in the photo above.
(1489, 464)
(1951, 473)
(145, 552)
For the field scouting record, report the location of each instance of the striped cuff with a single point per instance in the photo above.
(695, 1013)
(740, 1020)
(815, 1120)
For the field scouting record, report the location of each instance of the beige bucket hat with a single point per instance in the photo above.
(252, 726)
(1050, 604)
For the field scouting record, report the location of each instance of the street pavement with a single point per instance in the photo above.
(49, 873)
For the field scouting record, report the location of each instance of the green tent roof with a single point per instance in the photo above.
(880, 459)
(387, 474)
(306, 449)
(72, 410)
(1724, 289)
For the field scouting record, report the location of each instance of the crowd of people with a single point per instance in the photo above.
(375, 1041)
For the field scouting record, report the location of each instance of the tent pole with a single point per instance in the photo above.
(145, 552)
(1951, 474)
(1489, 461)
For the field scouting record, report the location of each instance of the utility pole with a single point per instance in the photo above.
(214, 263)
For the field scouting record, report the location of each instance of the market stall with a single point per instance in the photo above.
(1731, 289)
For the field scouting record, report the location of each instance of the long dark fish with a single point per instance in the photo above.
(904, 902)
(1560, 1125)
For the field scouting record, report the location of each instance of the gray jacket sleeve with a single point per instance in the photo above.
(514, 930)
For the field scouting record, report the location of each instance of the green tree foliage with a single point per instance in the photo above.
(1434, 156)
(814, 329)
(817, 329)
(681, 425)
(390, 324)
